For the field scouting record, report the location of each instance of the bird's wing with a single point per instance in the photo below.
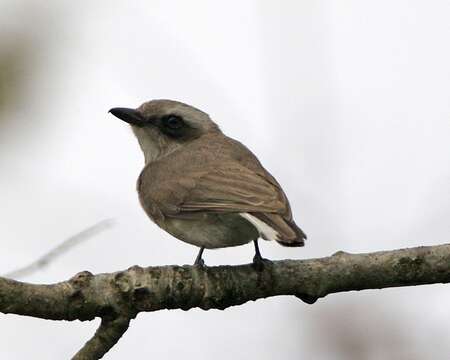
(212, 178)
(255, 195)
(233, 189)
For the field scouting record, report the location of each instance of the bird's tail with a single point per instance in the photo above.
(274, 227)
(293, 241)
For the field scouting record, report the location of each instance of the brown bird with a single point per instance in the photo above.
(203, 187)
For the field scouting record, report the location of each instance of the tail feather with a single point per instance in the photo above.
(275, 227)
(299, 239)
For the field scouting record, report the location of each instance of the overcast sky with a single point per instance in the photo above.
(346, 103)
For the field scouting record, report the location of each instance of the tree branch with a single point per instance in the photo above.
(106, 336)
(61, 249)
(120, 296)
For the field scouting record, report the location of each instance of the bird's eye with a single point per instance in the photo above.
(174, 122)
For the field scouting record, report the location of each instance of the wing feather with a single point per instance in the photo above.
(236, 190)
(239, 189)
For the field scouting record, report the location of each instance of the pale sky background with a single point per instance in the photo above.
(346, 103)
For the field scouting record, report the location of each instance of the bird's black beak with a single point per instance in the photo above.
(131, 116)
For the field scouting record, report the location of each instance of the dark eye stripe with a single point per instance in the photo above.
(173, 126)
(174, 122)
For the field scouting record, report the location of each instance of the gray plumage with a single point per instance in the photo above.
(203, 187)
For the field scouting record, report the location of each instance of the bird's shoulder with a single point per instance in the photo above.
(204, 154)
(165, 182)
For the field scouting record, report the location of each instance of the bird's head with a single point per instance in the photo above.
(162, 126)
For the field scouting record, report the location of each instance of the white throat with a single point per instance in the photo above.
(152, 144)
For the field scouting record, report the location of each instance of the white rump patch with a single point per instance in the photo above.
(266, 232)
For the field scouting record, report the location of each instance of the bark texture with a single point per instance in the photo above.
(118, 297)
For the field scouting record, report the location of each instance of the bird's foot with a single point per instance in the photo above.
(199, 260)
(200, 263)
(259, 262)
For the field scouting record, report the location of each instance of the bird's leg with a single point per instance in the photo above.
(258, 260)
(198, 260)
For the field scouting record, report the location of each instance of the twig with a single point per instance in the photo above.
(59, 250)
(106, 336)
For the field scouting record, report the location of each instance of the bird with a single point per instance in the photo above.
(203, 187)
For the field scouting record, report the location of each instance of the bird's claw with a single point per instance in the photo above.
(200, 263)
(259, 262)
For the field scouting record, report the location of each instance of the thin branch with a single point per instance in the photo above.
(106, 336)
(120, 296)
(61, 249)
